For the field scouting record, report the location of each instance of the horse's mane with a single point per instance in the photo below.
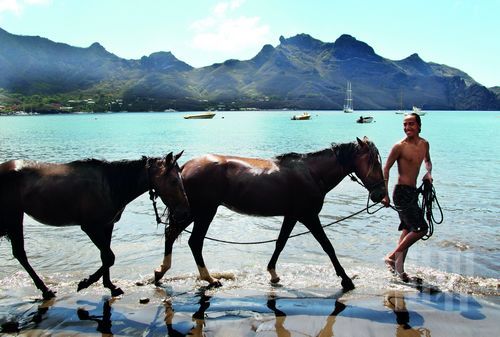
(116, 172)
(343, 152)
(103, 162)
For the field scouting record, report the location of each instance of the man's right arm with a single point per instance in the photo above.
(391, 159)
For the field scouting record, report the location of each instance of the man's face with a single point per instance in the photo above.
(410, 126)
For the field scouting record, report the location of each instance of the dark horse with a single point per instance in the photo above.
(293, 185)
(91, 194)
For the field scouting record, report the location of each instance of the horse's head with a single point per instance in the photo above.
(165, 179)
(368, 168)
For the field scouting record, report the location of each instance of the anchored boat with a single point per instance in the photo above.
(206, 115)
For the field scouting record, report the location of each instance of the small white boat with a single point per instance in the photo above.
(206, 115)
(364, 119)
(348, 107)
(418, 111)
(302, 117)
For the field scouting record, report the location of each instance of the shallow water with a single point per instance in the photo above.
(463, 255)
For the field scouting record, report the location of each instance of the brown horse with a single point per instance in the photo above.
(293, 185)
(91, 194)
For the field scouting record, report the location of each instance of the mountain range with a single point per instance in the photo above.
(301, 72)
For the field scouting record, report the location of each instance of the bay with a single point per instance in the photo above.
(462, 255)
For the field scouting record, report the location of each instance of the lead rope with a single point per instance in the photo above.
(426, 205)
(291, 236)
(367, 209)
(428, 197)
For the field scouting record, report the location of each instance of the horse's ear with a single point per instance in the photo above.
(178, 155)
(360, 142)
(168, 158)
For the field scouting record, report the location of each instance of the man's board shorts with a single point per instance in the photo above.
(411, 215)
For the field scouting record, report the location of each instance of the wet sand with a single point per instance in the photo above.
(186, 308)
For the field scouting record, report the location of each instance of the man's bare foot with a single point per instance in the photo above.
(403, 277)
(391, 263)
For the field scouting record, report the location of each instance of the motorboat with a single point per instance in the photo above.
(302, 117)
(364, 119)
(205, 115)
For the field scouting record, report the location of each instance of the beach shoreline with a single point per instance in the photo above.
(181, 307)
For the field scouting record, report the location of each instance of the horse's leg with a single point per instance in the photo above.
(314, 225)
(286, 229)
(200, 228)
(14, 223)
(101, 237)
(171, 234)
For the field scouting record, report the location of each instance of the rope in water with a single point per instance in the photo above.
(291, 236)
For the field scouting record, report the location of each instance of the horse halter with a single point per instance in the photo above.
(371, 186)
(153, 195)
(368, 187)
(372, 164)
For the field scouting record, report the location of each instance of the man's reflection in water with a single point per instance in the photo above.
(395, 301)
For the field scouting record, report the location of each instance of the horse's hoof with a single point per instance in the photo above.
(49, 294)
(10, 327)
(83, 284)
(339, 307)
(158, 276)
(116, 292)
(275, 280)
(347, 285)
(215, 284)
(83, 314)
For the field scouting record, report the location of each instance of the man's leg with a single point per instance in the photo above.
(406, 240)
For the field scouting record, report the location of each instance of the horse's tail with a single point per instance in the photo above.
(7, 177)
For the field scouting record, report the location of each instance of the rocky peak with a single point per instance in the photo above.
(97, 47)
(415, 65)
(263, 55)
(163, 61)
(347, 47)
(301, 41)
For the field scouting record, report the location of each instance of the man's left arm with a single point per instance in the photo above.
(428, 163)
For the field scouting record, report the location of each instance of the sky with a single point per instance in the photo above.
(464, 34)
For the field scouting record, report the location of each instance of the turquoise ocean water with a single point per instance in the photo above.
(463, 255)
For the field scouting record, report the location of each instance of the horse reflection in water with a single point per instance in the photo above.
(91, 194)
(199, 327)
(293, 185)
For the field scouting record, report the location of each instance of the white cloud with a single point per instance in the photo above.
(232, 34)
(10, 6)
(222, 7)
(17, 6)
(223, 31)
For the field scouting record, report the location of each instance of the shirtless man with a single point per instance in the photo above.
(409, 153)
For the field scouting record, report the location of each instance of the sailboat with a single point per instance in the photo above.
(348, 107)
(401, 110)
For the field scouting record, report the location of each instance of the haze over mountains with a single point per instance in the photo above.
(299, 73)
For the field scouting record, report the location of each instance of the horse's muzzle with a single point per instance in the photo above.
(378, 194)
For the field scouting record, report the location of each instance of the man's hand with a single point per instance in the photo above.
(386, 201)
(427, 176)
